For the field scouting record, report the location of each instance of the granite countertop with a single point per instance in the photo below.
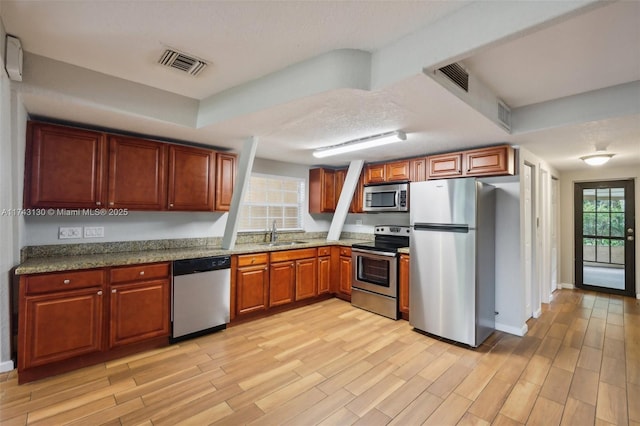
(36, 265)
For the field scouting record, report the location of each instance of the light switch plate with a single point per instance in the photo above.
(68, 232)
(94, 231)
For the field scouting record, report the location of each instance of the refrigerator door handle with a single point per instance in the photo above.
(442, 227)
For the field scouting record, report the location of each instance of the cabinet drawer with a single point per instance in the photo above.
(62, 281)
(252, 259)
(281, 256)
(324, 251)
(345, 251)
(139, 272)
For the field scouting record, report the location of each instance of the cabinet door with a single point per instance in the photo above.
(324, 274)
(404, 283)
(252, 285)
(490, 161)
(356, 201)
(60, 326)
(339, 184)
(306, 278)
(191, 178)
(137, 174)
(374, 173)
(138, 311)
(346, 274)
(65, 167)
(445, 165)
(282, 277)
(322, 198)
(418, 169)
(225, 180)
(397, 170)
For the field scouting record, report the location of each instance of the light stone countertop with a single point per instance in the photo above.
(36, 265)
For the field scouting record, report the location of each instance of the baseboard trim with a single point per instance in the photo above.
(512, 329)
(568, 286)
(638, 296)
(6, 366)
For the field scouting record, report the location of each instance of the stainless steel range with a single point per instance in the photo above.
(375, 270)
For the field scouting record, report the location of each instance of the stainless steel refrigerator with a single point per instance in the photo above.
(452, 278)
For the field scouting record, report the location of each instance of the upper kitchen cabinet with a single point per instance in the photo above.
(375, 173)
(191, 178)
(397, 170)
(322, 198)
(225, 180)
(65, 167)
(137, 173)
(491, 161)
(418, 169)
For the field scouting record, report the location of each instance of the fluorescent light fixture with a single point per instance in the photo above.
(362, 143)
(596, 159)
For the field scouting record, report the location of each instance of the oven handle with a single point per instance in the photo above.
(373, 252)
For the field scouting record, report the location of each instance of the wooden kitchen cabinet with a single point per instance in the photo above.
(306, 278)
(303, 281)
(356, 201)
(65, 167)
(137, 174)
(60, 317)
(252, 283)
(492, 161)
(324, 270)
(282, 281)
(191, 178)
(345, 271)
(375, 173)
(418, 169)
(403, 278)
(339, 177)
(225, 180)
(322, 195)
(397, 171)
(444, 166)
(139, 303)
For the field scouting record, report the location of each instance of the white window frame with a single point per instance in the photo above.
(246, 205)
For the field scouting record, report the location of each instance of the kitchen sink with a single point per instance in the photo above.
(283, 243)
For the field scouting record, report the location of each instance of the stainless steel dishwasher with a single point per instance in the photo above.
(200, 296)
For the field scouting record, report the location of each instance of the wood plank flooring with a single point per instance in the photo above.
(332, 364)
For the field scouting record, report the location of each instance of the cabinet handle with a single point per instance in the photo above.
(253, 260)
(114, 291)
(66, 282)
(98, 203)
(100, 293)
(141, 272)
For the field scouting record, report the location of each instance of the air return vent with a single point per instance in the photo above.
(504, 115)
(182, 61)
(457, 74)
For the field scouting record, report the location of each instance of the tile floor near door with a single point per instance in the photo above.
(332, 364)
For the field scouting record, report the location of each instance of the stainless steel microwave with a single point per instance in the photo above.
(387, 197)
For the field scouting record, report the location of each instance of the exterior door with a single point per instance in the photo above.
(605, 234)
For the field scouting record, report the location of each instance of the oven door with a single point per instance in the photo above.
(375, 271)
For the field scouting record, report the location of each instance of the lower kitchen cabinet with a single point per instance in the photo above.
(345, 271)
(139, 308)
(76, 318)
(252, 283)
(303, 277)
(324, 270)
(306, 278)
(403, 281)
(282, 281)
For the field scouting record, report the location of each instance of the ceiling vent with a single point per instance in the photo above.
(504, 115)
(457, 75)
(182, 61)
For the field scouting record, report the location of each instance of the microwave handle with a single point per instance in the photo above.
(397, 203)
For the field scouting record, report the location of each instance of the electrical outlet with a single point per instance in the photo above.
(94, 231)
(67, 232)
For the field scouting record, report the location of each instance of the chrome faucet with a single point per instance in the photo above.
(274, 230)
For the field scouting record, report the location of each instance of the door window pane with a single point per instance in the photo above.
(589, 223)
(602, 251)
(589, 249)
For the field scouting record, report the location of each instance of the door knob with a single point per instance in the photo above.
(630, 230)
(630, 238)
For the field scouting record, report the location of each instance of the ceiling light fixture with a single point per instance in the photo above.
(597, 159)
(362, 143)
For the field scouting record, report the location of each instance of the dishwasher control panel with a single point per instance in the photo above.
(202, 264)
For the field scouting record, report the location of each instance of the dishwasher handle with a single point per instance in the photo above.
(199, 265)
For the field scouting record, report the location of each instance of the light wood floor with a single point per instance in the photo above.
(332, 364)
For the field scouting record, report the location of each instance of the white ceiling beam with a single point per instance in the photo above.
(344, 202)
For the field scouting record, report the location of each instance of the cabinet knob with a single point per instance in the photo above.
(291, 265)
(265, 268)
(171, 205)
(111, 203)
(253, 260)
(66, 282)
(100, 293)
(98, 203)
(141, 272)
(114, 291)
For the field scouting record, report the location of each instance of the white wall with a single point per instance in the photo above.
(567, 235)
